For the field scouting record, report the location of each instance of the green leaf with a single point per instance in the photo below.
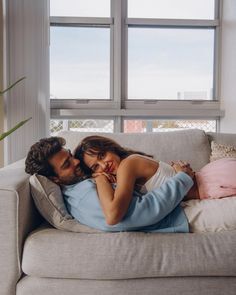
(11, 86)
(3, 135)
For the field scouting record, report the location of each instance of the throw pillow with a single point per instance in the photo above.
(220, 151)
(49, 201)
(217, 179)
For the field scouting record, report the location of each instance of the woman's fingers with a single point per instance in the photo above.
(110, 177)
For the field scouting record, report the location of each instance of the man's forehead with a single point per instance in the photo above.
(59, 158)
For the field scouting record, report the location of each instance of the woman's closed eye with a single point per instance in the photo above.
(101, 155)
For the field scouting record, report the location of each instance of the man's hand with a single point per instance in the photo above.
(182, 166)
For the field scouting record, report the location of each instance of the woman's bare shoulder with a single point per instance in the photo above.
(140, 158)
(136, 160)
(140, 165)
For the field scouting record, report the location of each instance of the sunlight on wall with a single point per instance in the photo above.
(1, 79)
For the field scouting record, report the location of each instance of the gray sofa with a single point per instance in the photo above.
(37, 259)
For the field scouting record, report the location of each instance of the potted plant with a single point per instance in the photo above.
(4, 134)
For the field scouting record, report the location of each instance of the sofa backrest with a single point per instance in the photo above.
(222, 138)
(189, 145)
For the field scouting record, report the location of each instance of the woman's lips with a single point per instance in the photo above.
(110, 168)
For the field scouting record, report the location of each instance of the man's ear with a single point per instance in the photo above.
(54, 179)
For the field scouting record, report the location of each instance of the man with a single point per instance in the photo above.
(156, 211)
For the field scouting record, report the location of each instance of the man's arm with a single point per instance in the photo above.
(157, 204)
(143, 211)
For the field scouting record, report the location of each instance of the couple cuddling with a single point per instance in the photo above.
(147, 194)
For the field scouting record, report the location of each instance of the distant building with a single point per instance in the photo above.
(192, 95)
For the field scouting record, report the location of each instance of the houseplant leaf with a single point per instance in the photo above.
(3, 135)
(11, 86)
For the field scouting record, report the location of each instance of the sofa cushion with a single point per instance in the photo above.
(148, 286)
(189, 145)
(211, 215)
(57, 254)
(49, 201)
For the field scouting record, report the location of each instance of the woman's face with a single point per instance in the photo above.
(103, 162)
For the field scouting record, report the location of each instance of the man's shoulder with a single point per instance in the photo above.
(83, 194)
(81, 186)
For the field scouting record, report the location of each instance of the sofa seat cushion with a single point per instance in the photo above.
(58, 254)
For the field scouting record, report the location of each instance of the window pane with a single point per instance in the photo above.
(132, 126)
(80, 63)
(177, 9)
(170, 63)
(90, 8)
(85, 125)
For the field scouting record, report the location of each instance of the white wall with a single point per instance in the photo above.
(228, 68)
(27, 49)
(1, 81)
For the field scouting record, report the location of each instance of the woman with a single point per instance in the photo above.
(106, 158)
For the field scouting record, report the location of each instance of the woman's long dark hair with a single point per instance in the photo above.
(99, 145)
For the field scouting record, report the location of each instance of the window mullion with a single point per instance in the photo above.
(124, 54)
(118, 124)
(64, 20)
(115, 51)
(172, 22)
(217, 52)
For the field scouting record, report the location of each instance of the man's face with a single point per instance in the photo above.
(66, 167)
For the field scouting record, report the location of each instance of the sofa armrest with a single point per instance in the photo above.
(17, 218)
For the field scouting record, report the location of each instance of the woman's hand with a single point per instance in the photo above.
(182, 166)
(101, 175)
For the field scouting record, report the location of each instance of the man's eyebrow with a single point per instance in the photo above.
(65, 162)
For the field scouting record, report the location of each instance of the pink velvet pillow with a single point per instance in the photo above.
(217, 179)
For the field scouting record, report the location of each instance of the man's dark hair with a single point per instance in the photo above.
(39, 154)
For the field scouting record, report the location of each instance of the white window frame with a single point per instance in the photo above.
(119, 107)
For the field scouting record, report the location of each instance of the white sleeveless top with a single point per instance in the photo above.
(163, 172)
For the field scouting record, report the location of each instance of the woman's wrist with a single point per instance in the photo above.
(101, 179)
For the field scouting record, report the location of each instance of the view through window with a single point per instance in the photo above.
(162, 57)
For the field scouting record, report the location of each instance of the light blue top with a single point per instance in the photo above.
(156, 211)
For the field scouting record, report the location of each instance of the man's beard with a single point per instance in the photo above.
(71, 179)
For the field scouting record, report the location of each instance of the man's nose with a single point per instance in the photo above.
(76, 161)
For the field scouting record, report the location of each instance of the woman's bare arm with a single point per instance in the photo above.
(115, 203)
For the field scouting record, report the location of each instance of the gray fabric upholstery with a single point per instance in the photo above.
(157, 286)
(17, 218)
(162, 264)
(222, 138)
(189, 145)
(47, 253)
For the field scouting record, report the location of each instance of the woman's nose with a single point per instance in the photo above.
(102, 166)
